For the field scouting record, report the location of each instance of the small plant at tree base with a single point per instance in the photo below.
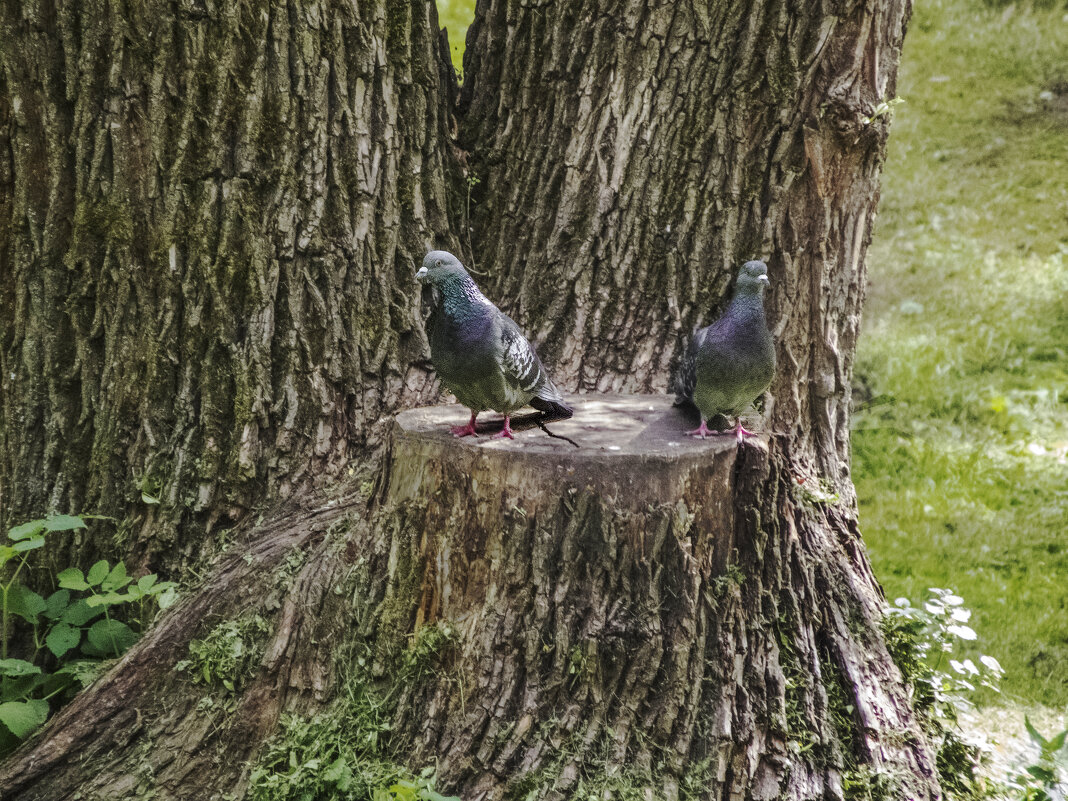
(68, 640)
(920, 640)
(1046, 779)
(228, 654)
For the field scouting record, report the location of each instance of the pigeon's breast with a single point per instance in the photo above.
(733, 374)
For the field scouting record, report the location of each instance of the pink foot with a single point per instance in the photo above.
(701, 431)
(467, 430)
(741, 433)
(506, 431)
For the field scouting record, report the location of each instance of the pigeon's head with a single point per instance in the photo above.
(438, 265)
(753, 278)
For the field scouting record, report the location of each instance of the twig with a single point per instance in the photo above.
(541, 425)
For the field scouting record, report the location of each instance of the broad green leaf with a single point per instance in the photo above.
(64, 522)
(18, 667)
(79, 613)
(29, 545)
(62, 638)
(110, 637)
(22, 717)
(27, 530)
(146, 498)
(145, 582)
(25, 603)
(6, 552)
(98, 572)
(117, 578)
(72, 579)
(56, 603)
(107, 599)
(167, 598)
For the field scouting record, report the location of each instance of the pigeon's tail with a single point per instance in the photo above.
(550, 401)
(554, 409)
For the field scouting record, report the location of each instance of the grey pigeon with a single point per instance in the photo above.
(730, 363)
(479, 352)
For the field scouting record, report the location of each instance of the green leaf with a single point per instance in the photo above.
(56, 603)
(25, 603)
(98, 572)
(72, 579)
(1037, 738)
(109, 638)
(27, 530)
(146, 498)
(145, 582)
(29, 545)
(64, 522)
(84, 671)
(62, 638)
(107, 599)
(1057, 742)
(1043, 774)
(22, 717)
(117, 578)
(339, 774)
(167, 598)
(18, 667)
(6, 552)
(79, 613)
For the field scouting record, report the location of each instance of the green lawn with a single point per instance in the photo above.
(959, 446)
(455, 16)
(960, 441)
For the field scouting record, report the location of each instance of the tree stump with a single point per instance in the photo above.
(647, 616)
(625, 616)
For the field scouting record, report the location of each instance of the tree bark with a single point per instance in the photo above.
(210, 217)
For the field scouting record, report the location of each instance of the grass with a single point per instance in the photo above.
(959, 443)
(456, 16)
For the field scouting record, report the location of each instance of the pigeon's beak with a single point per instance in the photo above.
(763, 279)
(421, 274)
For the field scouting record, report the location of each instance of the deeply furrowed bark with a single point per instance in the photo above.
(632, 155)
(210, 214)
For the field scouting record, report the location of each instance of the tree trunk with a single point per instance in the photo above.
(210, 217)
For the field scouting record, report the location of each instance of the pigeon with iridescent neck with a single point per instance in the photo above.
(479, 352)
(730, 363)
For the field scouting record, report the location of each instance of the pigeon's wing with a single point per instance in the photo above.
(524, 371)
(686, 376)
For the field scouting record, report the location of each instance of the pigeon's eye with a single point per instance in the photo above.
(439, 263)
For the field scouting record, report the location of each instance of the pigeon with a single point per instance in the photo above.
(730, 363)
(479, 352)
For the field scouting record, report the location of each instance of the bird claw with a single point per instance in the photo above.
(505, 432)
(701, 432)
(740, 432)
(464, 431)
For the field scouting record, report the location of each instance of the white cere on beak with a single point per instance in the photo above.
(421, 274)
(763, 279)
